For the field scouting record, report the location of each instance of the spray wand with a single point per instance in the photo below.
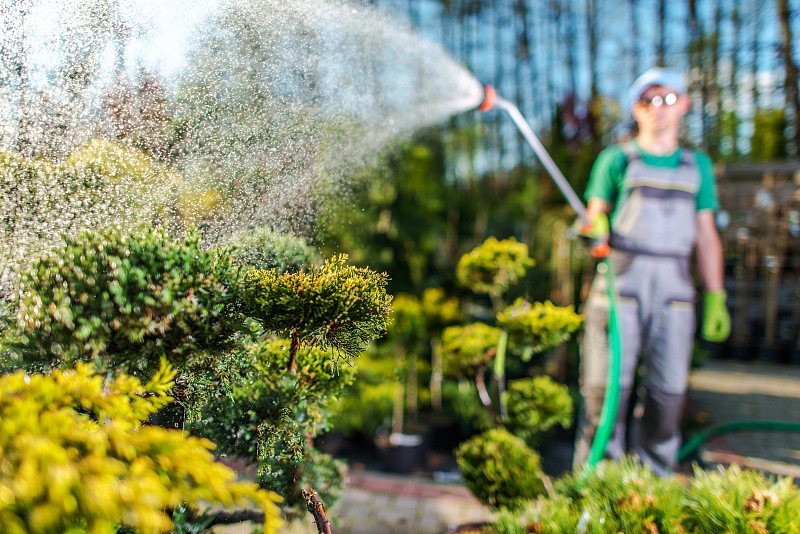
(608, 415)
(491, 100)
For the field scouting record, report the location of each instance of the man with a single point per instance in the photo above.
(653, 203)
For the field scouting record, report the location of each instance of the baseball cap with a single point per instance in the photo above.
(656, 76)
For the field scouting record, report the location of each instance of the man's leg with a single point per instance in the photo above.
(667, 359)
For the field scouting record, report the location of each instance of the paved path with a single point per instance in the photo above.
(377, 503)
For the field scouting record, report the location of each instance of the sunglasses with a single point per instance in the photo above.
(657, 101)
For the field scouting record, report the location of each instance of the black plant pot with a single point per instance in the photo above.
(401, 453)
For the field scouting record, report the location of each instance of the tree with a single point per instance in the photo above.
(791, 87)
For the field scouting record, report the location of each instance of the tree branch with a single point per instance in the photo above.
(317, 510)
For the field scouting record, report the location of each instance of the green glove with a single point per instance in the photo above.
(594, 234)
(716, 320)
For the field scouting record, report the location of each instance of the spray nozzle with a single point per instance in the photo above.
(489, 99)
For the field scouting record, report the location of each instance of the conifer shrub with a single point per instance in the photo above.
(267, 415)
(500, 469)
(494, 266)
(332, 306)
(626, 496)
(538, 326)
(123, 300)
(535, 405)
(260, 355)
(76, 456)
(738, 500)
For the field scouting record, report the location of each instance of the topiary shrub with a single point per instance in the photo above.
(123, 300)
(520, 330)
(333, 306)
(539, 326)
(76, 457)
(500, 469)
(494, 266)
(535, 405)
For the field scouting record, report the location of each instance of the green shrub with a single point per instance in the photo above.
(625, 496)
(465, 348)
(736, 500)
(493, 267)
(334, 306)
(266, 415)
(123, 300)
(535, 405)
(499, 469)
(266, 249)
(539, 326)
(76, 457)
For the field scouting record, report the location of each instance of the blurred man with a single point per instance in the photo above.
(653, 203)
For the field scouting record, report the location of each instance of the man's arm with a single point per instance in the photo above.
(709, 252)
(595, 207)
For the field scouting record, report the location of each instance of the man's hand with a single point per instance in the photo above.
(594, 234)
(716, 319)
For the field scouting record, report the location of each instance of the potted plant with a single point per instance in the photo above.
(515, 417)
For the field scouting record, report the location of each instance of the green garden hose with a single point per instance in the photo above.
(608, 414)
(734, 426)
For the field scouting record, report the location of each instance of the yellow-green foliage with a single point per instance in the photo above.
(735, 500)
(440, 309)
(334, 305)
(495, 266)
(407, 325)
(466, 347)
(626, 496)
(539, 326)
(535, 405)
(75, 457)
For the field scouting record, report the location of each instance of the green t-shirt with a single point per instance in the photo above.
(608, 174)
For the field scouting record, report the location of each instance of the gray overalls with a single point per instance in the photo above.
(652, 239)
